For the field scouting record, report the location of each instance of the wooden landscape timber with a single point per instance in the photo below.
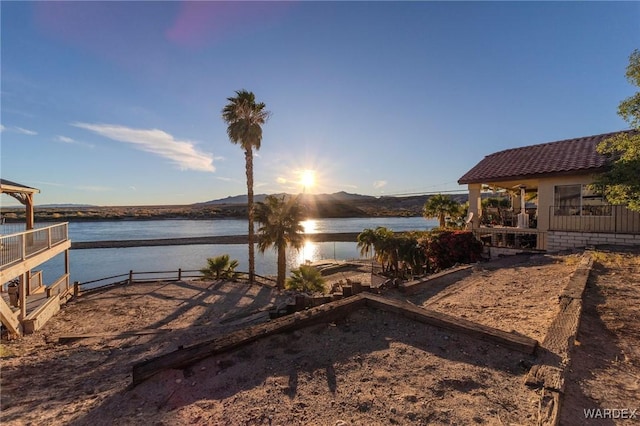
(555, 350)
(329, 312)
(73, 337)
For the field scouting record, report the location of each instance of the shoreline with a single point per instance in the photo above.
(349, 237)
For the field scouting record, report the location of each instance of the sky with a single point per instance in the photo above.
(119, 103)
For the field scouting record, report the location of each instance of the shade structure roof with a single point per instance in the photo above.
(568, 156)
(7, 186)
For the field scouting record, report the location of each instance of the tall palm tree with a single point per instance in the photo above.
(366, 241)
(382, 242)
(280, 227)
(440, 206)
(244, 117)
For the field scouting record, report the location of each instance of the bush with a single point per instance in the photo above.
(220, 267)
(446, 248)
(306, 278)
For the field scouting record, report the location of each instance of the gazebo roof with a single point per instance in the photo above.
(9, 187)
(568, 156)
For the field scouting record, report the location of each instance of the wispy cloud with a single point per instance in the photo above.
(68, 140)
(64, 139)
(181, 152)
(41, 182)
(20, 130)
(281, 180)
(224, 179)
(379, 184)
(24, 131)
(94, 188)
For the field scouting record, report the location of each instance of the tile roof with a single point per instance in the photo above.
(552, 158)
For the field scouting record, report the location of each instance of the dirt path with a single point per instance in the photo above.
(605, 368)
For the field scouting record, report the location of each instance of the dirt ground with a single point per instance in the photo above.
(372, 368)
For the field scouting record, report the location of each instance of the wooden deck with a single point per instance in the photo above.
(20, 253)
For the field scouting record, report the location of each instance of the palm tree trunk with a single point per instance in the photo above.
(248, 155)
(282, 265)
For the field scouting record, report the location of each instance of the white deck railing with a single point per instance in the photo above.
(23, 245)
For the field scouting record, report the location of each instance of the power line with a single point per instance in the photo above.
(453, 191)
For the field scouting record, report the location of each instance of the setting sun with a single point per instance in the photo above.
(308, 178)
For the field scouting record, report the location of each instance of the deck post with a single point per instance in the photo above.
(130, 277)
(179, 274)
(66, 267)
(76, 289)
(24, 284)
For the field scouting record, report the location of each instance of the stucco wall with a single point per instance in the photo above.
(546, 194)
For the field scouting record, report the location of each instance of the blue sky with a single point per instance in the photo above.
(119, 103)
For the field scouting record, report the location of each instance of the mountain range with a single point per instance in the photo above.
(344, 204)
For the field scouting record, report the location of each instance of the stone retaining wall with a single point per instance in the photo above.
(564, 240)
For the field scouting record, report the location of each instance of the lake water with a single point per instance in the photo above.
(92, 264)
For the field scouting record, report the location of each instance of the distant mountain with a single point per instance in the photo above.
(232, 200)
(340, 204)
(344, 204)
(242, 199)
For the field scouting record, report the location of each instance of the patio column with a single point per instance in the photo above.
(29, 210)
(475, 204)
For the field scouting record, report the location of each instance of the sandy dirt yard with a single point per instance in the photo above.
(373, 367)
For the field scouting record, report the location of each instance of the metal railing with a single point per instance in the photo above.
(518, 238)
(23, 245)
(606, 219)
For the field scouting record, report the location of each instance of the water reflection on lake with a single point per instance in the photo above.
(90, 264)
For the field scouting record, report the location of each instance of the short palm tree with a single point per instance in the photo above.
(306, 278)
(245, 117)
(220, 267)
(280, 227)
(440, 206)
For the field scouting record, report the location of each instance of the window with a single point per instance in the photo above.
(580, 200)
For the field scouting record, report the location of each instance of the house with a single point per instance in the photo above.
(26, 302)
(554, 179)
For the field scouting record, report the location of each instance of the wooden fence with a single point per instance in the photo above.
(153, 276)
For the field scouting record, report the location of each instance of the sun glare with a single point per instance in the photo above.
(308, 178)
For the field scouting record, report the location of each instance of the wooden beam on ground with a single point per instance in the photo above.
(132, 333)
(510, 340)
(325, 313)
(452, 275)
(556, 347)
(187, 356)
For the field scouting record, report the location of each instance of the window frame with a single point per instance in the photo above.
(587, 193)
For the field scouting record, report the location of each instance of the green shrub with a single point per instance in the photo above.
(220, 267)
(306, 278)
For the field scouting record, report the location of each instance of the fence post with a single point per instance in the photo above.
(76, 289)
(179, 274)
(130, 277)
